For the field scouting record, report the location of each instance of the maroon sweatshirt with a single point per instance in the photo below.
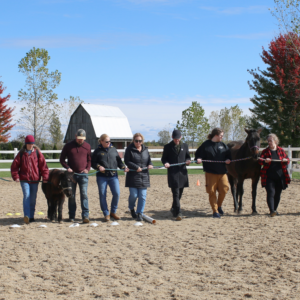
(79, 156)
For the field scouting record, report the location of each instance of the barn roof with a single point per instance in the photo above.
(109, 120)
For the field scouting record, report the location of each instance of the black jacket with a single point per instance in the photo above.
(210, 150)
(135, 159)
(107, 158)
(177, 175)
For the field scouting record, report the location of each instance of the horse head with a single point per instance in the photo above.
(253, 141)
(66, 179)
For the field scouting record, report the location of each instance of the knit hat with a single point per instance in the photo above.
(176, 134)
(29, 139)
(81, 135)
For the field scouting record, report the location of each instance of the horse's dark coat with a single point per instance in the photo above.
(239, 171)
(59, 186)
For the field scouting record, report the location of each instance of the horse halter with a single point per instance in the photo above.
(67, 188)
(254, 147)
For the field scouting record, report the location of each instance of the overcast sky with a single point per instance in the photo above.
(151, 58)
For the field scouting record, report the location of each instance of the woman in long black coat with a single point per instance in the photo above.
(136, 158)
(176, 152)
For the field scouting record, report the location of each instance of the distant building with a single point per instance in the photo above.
(99, 119)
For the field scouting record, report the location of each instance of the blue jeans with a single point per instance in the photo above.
(83, 186)
(29, 199)
(137, 193)
(113, 183)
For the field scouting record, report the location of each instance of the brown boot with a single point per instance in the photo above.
(115, 216)
(107, 218)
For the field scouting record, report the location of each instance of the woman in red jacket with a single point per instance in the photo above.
(274, 174)
(27, 168)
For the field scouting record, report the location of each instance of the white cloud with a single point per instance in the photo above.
(149, 116)
(145, 117)
(258, 9)
(250, 36)
(101, 41)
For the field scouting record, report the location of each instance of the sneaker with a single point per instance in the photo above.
(31, 220)
(116, 217)
(220, 210)
(178, 217)
(273, 213)
(86, 220)
(139, 217)
(26, 220)
(71, 220)
(216, 215)
(133, 214)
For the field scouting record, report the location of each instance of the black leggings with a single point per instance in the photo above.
(274, 189)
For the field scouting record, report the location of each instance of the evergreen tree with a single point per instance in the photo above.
(277, 99)
(10, 147)
(55, 155)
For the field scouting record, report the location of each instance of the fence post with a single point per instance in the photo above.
(15, 152)
(290, 167)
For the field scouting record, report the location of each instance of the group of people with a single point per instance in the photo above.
(29, 166)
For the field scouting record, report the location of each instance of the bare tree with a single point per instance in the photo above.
(39, 97)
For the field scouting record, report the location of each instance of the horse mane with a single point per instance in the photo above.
(233, 144)
(54, 177)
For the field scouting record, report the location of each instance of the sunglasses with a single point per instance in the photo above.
(138, 141)
(107, 142)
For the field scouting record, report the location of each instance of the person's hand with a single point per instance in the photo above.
(101, 169)
(199, 161)
(227, 161)
(150, 167)
(139, 170)
(17, 180)
(69, 170)
(284, 160)
(85, 171)
(167, 165)
(188, 162)
(268, 160)
(126, 170)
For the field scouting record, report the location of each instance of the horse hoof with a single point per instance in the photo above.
(255, 213)
(53, 221)
(239, 211)
(60, 222)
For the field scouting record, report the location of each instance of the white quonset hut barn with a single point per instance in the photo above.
(98, 119)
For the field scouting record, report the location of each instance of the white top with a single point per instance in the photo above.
(109, 120)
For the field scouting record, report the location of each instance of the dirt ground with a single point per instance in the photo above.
(235, 257)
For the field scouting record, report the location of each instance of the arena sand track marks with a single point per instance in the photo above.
(236, 257)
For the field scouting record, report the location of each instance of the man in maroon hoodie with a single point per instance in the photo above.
(78, 153)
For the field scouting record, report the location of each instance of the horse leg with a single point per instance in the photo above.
(49, 208)
(254, 191)
(233, 191)
(60, 208)
(240, 190)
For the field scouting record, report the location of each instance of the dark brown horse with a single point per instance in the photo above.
(59, 185)
(241, 170)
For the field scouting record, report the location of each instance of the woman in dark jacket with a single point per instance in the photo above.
(274, 174)
(107, 157)
(27, 168)
(137, 158)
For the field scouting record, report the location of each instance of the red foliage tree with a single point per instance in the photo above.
(5, 116)
(277, 102)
